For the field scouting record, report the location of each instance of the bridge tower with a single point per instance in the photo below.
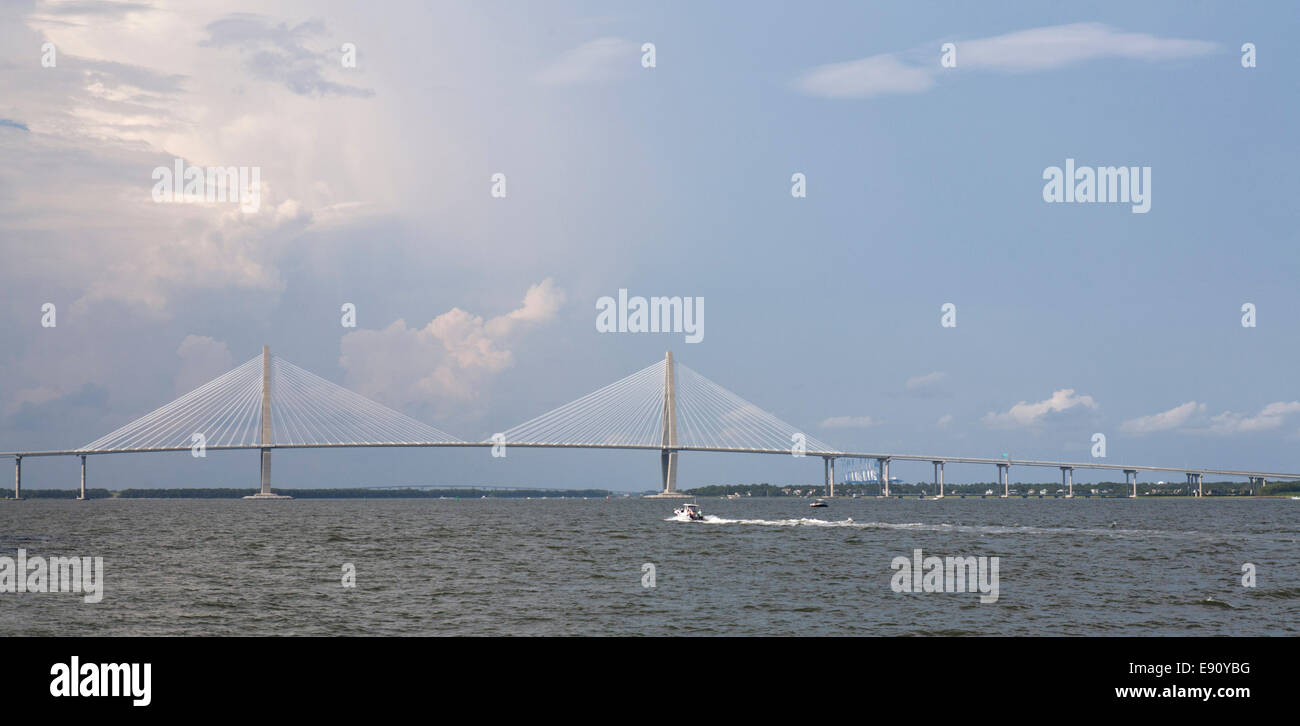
(265, 440)
(668, 438)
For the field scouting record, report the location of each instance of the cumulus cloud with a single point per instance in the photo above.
(1035, 49)
(78, 183)
(848, 422)
(1270, 417)
(1190, 417)
(1025, 414)
(594, 61)
(1175, 417)
(944, 421)
(445, 360)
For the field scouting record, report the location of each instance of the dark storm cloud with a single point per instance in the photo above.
(279, 53)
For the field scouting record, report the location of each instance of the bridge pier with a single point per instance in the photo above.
(1004, 477)
(1131, 475)
(1067, 479)
(882, 465)
(829, 466)
(18, 477)
(938, 476)
(82, 497)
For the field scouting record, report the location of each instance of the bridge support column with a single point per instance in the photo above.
(1004, 476)
(266, 473)
(265, 491)
(1191, 481)
(882, 465)
(668, 468)
(82, 498)
(938, 477)
(18, 477)
(1200, 485)
(830, 474)
(1131, 476)
(668, 438)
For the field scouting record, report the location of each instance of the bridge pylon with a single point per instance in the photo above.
(668, 437)
(266, 438)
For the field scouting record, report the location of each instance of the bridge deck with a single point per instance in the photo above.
(646, 447)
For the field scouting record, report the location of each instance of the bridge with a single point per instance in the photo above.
(268, 403)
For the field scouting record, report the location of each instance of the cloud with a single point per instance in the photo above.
(50, 410)
(944, 421)
(1190, 417)
(865, 78)
(592, 62)
(1175, 417)
(1270, 417)
(279, 53)
(927, 385)
(447, 359)
(1062, 45)
(202, 359)
(849, 422)
(13, 124)
(100, 10)
(1026, 414)
(1035, 49)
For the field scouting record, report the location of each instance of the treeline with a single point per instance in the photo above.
(753, 490)
(320, 493)
(66, 494)
(1280, 487)
(1114, 489)
(455, 493)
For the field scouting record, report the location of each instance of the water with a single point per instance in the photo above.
(574, 567)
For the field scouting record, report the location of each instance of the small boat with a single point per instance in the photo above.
(692, 512)
(819, 503)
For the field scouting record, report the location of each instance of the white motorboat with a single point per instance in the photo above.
(692, 512)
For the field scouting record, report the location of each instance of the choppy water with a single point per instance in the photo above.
(759, 567)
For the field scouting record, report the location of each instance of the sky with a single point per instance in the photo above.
(923, 185)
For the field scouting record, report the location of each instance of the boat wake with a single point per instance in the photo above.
(929, 527)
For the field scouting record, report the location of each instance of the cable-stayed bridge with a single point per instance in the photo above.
(268, 403)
